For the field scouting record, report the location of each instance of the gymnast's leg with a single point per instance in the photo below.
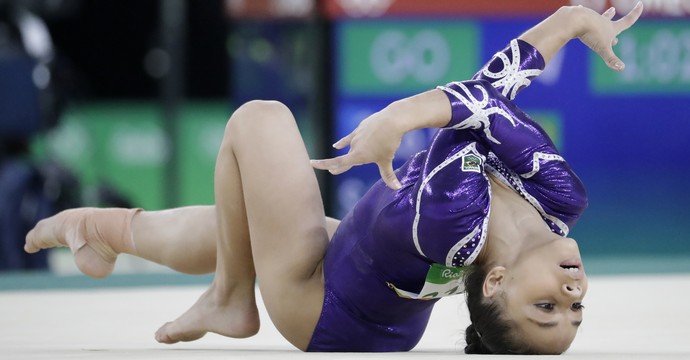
(270, 223)
(183, 239)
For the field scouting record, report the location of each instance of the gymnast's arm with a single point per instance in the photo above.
(512, 69)
(377, 137)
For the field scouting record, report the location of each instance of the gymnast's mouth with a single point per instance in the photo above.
(574, 263)
(573, 267)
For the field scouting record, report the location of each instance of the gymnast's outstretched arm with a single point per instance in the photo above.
(377, 137)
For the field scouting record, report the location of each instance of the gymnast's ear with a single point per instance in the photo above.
(493, 281)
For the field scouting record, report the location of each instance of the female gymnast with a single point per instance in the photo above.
(490, 191)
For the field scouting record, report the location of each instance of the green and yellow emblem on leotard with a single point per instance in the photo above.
(440, 281)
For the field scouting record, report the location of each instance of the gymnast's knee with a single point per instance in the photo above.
(259, 115)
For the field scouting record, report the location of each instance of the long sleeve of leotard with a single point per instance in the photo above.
(492, 135)
(512, 69)
(528, 159)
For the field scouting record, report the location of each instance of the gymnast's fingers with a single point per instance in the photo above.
(340, 170)
(342, 143)
(608, 14)
(628, 20)
(336, 165)
(612, 61)
(388, 175)
(606, 51)
(326, 164)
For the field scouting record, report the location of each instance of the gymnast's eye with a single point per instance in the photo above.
(545, 306)
(577, 306)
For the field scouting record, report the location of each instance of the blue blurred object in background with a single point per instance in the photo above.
(23, 203)
(24, 48)
(28, 105)
(19, 96)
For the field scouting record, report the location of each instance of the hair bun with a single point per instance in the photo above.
(474, 342)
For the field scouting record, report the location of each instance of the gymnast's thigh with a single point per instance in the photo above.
(285, 214)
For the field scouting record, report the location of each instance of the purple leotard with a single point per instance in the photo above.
(390, 239)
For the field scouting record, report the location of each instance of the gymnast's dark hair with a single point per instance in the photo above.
(489, 332)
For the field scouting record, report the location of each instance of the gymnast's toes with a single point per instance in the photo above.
(42, 236)
(29, 245)
(168, 335)
(162, 336)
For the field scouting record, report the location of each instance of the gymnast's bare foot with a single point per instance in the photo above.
(95, 236)
(234, 316)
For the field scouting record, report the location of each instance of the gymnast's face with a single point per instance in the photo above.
(542, 294)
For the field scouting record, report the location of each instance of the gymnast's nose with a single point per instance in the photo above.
(572, 289)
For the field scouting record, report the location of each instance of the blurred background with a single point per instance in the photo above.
(124, 102)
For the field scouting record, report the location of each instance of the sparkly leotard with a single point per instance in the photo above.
(377, 265)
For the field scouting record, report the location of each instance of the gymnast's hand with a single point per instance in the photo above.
(378, 137)
(375, 140)
(600, 33)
